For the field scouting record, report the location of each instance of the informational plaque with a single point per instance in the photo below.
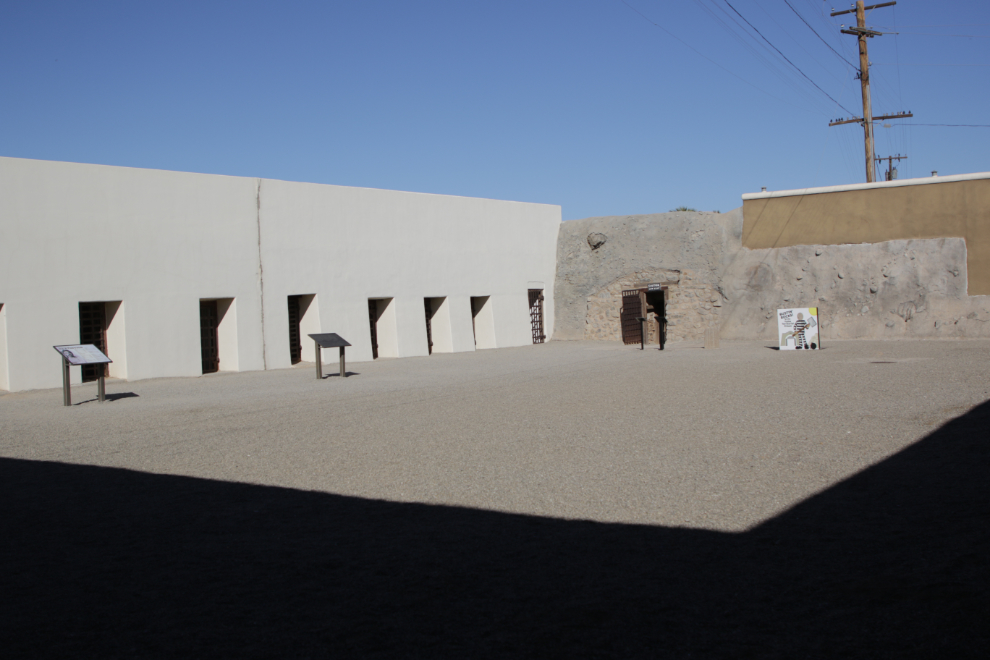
(329, 340)
(797, 328)
(654, 287)
(83, 354)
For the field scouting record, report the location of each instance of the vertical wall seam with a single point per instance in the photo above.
(261, 281)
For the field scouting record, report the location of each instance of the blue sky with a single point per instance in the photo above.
(583, 103)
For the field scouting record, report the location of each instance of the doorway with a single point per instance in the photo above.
(93, 330)
(295, 336)
(536, 315)
(438, 336)
(483, 321)
(429, 325)
(641, 303)
(373, 322)
(304, 320)
(656, 302)
(381, 319)
(209, 325)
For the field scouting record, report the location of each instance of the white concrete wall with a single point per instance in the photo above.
(158, 242)
(351, 244)
(4, 383)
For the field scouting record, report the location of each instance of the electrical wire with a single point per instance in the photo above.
(700, 54)
(785, 57)
(837, 54)
(781, 73)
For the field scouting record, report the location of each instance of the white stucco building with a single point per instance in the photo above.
(170, 259)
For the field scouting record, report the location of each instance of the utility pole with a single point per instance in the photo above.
(891, 172)
(862, 33)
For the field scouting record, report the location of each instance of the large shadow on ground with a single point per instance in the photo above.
(112, 563)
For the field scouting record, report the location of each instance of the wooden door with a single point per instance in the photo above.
(209, 322)
(629, 315)
(536, 315)
(93, 330)
(295, 339)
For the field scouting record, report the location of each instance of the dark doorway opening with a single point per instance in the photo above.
(656, 302)
(295, 337)
(373, 322)
(536, 315)
(428, 306)
(477, 302)
(209, 323)
(93, 330)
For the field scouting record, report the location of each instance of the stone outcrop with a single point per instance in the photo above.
(905, 288)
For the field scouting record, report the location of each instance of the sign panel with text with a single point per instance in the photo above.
(83, 354)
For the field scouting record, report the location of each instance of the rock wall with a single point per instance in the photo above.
(642, 249)
(896, 289)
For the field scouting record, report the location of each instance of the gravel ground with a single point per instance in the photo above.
(571, 499)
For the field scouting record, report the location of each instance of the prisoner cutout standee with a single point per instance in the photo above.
(82, 355)
(329, 340)
(798, 328)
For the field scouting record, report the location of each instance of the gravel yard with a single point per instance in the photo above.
(575, 499)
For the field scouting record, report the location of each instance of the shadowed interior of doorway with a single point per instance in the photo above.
(103, 562)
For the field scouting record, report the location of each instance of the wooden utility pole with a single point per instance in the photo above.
(861, 32)
(890, 165)
(864, 82)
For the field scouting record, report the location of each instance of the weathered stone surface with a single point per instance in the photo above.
(908, 288)
(596, 240)
(682, 250)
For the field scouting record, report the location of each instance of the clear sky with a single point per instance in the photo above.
(605, 107)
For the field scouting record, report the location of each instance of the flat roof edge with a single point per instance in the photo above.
(867, 186)
(287, 181)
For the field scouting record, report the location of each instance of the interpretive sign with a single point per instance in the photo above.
(797, 328)
(79, 354)
(83, 354)
(329, 340)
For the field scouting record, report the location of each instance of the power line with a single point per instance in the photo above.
(699, 53)
(956, 125)
(788, 61)
(744, 37)
(819, 36)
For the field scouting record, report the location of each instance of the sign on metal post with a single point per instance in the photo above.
(329, 340)
(77, 355)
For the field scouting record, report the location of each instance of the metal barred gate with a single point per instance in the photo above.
(536, 315)
(208, 323)
(93, 330)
